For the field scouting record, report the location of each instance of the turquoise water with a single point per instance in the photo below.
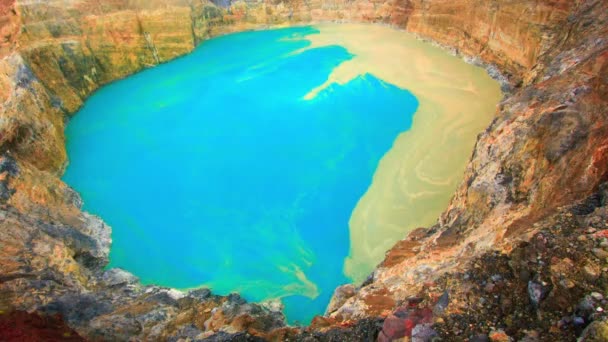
(214, 171)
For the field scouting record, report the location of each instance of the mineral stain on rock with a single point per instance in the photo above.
(523, 212)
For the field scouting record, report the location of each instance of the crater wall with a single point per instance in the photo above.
(546, 148)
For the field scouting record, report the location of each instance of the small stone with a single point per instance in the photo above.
(423, 333)
(600, 253)
(175, 294)
(117, 276)
(597, 296)
(581, 238)
(599, 309)
(442, 303)
(585, 308)
(592, 272)
(567, 283)
(496, 278)
(537, 292)
(201, 294)
(591, 230)
(499, 336)
(273, 305)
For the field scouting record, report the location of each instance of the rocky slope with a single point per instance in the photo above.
(520, 251)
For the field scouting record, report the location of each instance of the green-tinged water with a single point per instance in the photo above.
(214, 170)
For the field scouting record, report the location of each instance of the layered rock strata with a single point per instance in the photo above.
(546, 150)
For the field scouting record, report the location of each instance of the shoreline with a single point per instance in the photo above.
(417, 177)
(387, 162)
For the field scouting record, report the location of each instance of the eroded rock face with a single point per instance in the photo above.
(74, 47)
(546, 150)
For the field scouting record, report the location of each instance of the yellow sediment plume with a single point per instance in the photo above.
(303, 286)
(416, 178)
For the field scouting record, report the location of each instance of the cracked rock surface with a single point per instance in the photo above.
(519, 254)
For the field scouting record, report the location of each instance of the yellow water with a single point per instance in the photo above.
(417, 177)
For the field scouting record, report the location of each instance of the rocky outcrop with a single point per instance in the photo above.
(74, 47)
(52, 261)
(546, 150)
(549, 286)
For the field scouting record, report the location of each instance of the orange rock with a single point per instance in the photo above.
(499, 336)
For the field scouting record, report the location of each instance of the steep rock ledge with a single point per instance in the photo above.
(74, 47)
(547, 148)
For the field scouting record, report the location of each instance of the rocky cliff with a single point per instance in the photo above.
(520, 251)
